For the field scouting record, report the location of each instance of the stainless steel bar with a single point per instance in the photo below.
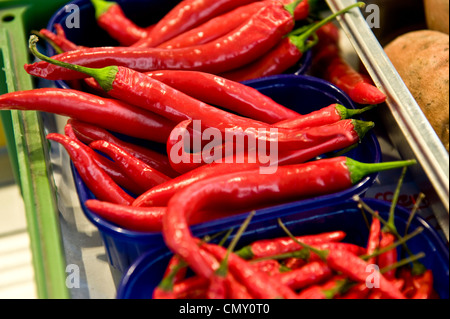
(409, 129)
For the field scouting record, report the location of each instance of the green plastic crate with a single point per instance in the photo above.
(27, 146)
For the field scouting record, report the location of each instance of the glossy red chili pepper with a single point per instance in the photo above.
(107, 165)
(143, 91)
(310, 274)
(160, 195)
(250, 189)
(284, 55)
(90, 133)
(139, 172)
(60, 40)
(111, 18)
(390, 257)
(176, 270)
(424, 285)
(330, 65)
(269, 266)
(110, 114)
(373, 243)
(327, 115)
(258, 284)
(185, 16)
(101, 185)
(214, 28)
(145, 219)
(271, 247)
(227, 94)
(355, 269)
(258, 35)
(328, 290)
(357, 291)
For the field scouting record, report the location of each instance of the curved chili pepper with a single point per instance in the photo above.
(60, 40)
(390, 257)
(185, 16)
(161, 194)
(187, 288)
(327, 115)
(249, 188)
(110, 114)
(330, 65)
(88, 133)
(111, 18)
(269, 266)
(258, 284)
(101, 185)
(213, 28)
(105, 164)
(142, 174)
(373, 242)
(271, 247)
(424, 285)
(284, 55)
(310, 274)
(224, 93)
(258, 35)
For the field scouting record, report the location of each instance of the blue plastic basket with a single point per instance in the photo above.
(302, 93)
(146, 273)
(142, 12)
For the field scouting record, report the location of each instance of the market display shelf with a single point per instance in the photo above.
(64, 242)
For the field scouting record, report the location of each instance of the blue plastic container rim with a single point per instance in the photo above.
(435, 241)
(302, 66)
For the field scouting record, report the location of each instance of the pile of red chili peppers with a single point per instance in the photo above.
(188, 67)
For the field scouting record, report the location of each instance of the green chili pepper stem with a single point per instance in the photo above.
(321, 253)
(360, 170)
(57, 49)
(391, 220)
(101, 7)
(223, 268)
(300, 40)
(104, 76)
(291, 6)
(419, 200)
(346, 113)
(362, 127)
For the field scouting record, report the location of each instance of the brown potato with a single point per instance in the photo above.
(436, 13)
(422, 60)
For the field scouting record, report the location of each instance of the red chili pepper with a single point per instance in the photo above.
(424, 285)
(281, 245)
(328, 290)
(142, 174)
(187, 288)
(327, 115)
(101, 185)
(185, 16)
(145, 219)
(270, 266)
(258, 35)
(390, 257)
(60, 40)
(373, 242)
(105, 164)
(214, 28)
(110, 114)
(330, 65)
(284, 55)
(145, 92)
(230, 95)
(90, 133)
(355, 269)
(358, 291)
(250, 189)
(160, 195)
(111, 18)
(310, 274)
(258, 284)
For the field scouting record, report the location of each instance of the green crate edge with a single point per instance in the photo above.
(28, 149)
